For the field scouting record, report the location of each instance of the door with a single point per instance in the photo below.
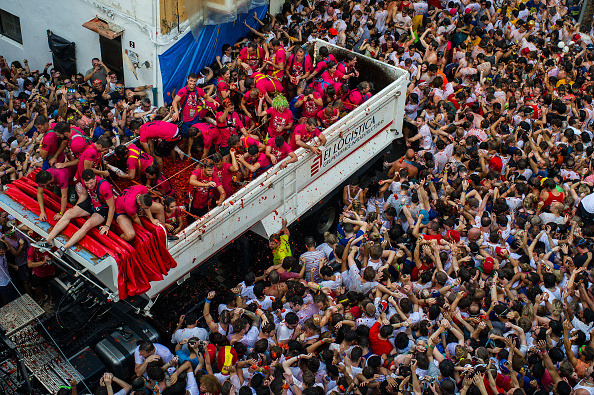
(111, 55)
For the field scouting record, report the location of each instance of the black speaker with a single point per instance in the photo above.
(88, 364)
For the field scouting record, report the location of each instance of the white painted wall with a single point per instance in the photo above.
(65, 18)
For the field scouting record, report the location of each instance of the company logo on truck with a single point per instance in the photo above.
(349, 139)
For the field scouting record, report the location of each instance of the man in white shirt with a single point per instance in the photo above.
(191, 329)
(148, 352)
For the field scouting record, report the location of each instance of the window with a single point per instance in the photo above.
(10, 26)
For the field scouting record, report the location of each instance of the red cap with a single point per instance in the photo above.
(496, 164)
(333, 31)
(468, 10)
(525, 51)
(488, 265)
(452, 11)
(577, 37)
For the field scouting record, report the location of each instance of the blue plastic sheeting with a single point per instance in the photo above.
(190, 56)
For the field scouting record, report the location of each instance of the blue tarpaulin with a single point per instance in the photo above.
(190, 56)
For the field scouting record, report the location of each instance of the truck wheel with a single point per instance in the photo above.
(325, 218)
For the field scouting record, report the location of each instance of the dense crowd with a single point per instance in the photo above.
(466, 270)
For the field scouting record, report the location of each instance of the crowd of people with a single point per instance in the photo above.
(465, 270)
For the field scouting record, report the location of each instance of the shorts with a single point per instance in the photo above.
(23, 273)
(40, 282)
(183, 128)
(164, 148)
(87, 205)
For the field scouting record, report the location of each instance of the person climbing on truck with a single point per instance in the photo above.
(129, 203)
(96, 202)
(52, 178)
(133, 159)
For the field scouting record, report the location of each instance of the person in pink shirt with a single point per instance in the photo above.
(327, 116)
(228, 123)
(321, 66)
(53, 144)
(223, 172)
(303, 135)
(158, 138)
(276, 64)
(298, 68)
(133, 159)
(132, 201)
(347, 67)
(54, 178)
(95, 201)
(251, 57)
(268, 86)
(332, 75)
(241, 144)
(253, 163)
(190, 100)
(92, 158)
(358, 96)
(277, 150)
(76, 141)
(207, 137)
(223, 90)
(281, 118)
(204, 183)
(310, 102)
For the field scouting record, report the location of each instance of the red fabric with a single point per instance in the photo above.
(146, 259)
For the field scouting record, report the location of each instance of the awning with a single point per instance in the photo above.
(106, 29)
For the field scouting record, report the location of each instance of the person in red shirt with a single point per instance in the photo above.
(174, 221)
(203, 181)
(53, 144)
(347, 67)
(43, 271)
(76, 141)
(52, 177)
(304, 134)
(228, 123)
(189, 100)
(253, 163)
(223, 172)
(378, 339)
(133, 159)
(96, 202)
(207, 137)
(327, 116)
(358, 96)
(268, 86)
(276, 64)
(251, 57)
(277, 150)
(321, 66)
(129, 203)
(249, 102)
(158, 138)
(298, 68)
(311, 102)
(281, 118)
(92, 158)
(242, 144)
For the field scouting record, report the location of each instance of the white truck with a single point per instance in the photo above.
(278, 193)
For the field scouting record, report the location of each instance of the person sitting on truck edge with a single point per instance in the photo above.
(92, 158)
(134, 159)
(53, 144)
(204, 181)
(53, 177)
(253, 162)
(358, 96)
(147, 352)
(96, 201)
(277, 150)
(303, 136)
(129, 203)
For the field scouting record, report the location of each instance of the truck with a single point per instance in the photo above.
(352, 141)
